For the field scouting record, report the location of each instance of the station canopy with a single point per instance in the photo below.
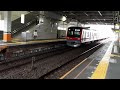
(91, 17)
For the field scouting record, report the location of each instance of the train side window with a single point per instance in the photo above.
(87, 34)
(90, 35)
(83, 34)
(93, 34)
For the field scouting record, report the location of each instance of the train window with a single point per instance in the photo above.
(70, 33)
(90, 34)
(87, 34)
(73, 32)
(77, 34)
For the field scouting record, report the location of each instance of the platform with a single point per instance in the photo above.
(102, 64)
(13, 43)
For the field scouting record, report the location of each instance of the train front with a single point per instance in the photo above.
(74, 36)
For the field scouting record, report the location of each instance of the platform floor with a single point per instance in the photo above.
(113, 71)
(102, 64)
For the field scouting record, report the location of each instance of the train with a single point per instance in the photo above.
(78, 35)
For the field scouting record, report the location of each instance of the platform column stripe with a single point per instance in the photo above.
(7, 37)
(101, 70)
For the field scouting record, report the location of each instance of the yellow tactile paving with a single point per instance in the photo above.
(101, 69)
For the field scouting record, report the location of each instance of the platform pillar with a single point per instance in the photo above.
(7, 26)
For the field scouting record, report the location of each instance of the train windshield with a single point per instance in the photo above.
(73, 32)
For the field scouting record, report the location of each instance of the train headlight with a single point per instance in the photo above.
(67, 37)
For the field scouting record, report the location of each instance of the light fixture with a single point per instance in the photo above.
(56, 23)
(22, 18)
(99, 13)
(41, 20)
(61, 28)
(63, 18)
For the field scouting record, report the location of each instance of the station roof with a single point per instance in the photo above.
(91, 17)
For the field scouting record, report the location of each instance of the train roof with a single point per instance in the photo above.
(80, 27)
(86, 28)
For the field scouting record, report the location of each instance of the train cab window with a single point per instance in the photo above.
(70, 33)
(73, 32)
(77, 34)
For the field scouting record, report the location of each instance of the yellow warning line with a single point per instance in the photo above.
(72, 69)
(83, 70)
(102, 67)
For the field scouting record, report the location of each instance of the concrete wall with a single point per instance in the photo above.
(47, 29)
(61, 34)
(14, 14)
(17, 14)
(1, 15)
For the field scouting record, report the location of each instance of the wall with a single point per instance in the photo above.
(61, 34)
(17, 14)
(14, 15)
(47, 29)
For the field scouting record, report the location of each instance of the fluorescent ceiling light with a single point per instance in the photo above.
(99, 13)
(63, 18)
(86, 14)
(22, 18)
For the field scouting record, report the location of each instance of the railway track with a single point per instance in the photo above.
(67, 63)
(4, 66)
(43, 63)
